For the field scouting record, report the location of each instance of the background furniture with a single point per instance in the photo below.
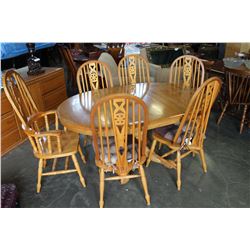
(190, 133)
(133, 69)
(120, 153)
(160, 59)
(238, 92)
(10, 50)
(93, 75)
(109, 60)
(187, 71)
(15, 55)
(232, 48)
(116, 50)
(48, 90)
(71, 65)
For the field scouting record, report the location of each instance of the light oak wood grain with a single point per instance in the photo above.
(93, 75)
(47, 140)
(116, 115)
(48, 90)
(133, 69)
(187, 71)
(190, 134)
(166, 104)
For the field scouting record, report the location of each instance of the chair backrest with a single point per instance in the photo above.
(66, 54)
(193, 125)
(93, 75)
(18, 95)
(119, 125)
(187, 71)
(133, 69)
(238, 86)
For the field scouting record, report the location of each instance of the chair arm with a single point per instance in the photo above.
(40, 114)
(37, 116)
(31, 132)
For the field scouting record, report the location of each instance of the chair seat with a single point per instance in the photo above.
(69, 143)
(168, 133)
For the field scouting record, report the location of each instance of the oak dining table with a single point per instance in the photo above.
(166, 104)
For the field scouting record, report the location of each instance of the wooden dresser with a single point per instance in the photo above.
(48, 91)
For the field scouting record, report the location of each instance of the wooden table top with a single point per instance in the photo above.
(166, 104)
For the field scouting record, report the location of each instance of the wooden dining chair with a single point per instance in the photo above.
(187, 71)
(237, 83)
(93, 75)
(188, 136)
(46, 143)
(133, 69)
(119, 124)
(49, 142)
(66, 54)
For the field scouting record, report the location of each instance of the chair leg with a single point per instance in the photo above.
(243, 119)
(44, 163)
(78, 170)
(101, 202)
(66, 166)
(178, 170)
(222, 113)
(203, 160)
(144, 184)
(159, 147)
(151, 152)
(39, 177)
(81, 154)
(54, 164)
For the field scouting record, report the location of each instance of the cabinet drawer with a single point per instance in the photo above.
(52, 83)
(8, 123)
(54, 98)
(6, 106)
(10, 140)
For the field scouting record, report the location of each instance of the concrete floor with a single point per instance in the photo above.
(227, 183)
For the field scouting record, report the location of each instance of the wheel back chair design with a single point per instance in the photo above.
(42, 129)
(93, 75)
(187, 71)
(188, 136)
(238, 92)
(133, 69)
(119, 124)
